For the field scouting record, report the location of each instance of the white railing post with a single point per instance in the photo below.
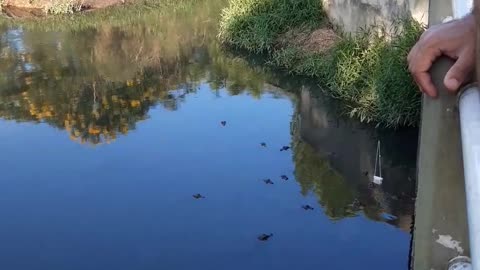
(469, 109)
(460, 263)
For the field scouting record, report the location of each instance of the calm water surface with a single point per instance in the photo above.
(107, 132)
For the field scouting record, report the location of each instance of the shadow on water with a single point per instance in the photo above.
(335, 156)
(97, 84)
(341, 153)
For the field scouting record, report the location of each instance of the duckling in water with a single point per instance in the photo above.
(198, 196)
(264, 237)
(268, 181)
(224, 123)
(284, 148)
(263, 144)
(307, 207)
(284, 177)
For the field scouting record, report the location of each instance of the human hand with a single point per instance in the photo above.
(455, 39)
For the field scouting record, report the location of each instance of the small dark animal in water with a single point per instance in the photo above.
(264, 237)
(268, 181)
(365, 173)
(307, 207)
(284, 177)
(198, 196)
(285, 148)
(224, 123)
(263, 144)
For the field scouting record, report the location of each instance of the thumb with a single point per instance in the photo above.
(459, 72)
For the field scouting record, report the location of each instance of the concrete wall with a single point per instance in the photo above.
(351, 15)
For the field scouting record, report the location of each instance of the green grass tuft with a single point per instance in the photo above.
(367, 71)
(255, 24)
(399, 99)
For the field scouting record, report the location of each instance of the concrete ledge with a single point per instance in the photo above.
(353, 15)
(440, 231)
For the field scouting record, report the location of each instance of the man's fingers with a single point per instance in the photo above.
(420, 60)
(425, 83)
(455, 39)
(459, 72)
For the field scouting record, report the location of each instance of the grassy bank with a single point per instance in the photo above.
(255, 24)
(121, 16)
(367, 72)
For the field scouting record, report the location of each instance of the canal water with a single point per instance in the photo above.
(140, 143)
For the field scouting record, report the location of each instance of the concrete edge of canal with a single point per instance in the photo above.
(440, 231)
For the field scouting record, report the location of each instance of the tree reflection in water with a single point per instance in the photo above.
(334, 159)
(98, 83)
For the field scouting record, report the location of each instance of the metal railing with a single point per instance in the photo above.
(469, 109)
(469, 112)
